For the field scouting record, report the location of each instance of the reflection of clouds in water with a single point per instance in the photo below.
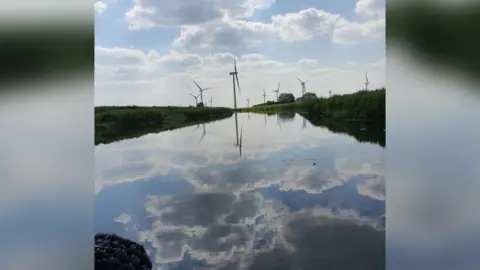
(317, 239)
(210, 225)
(373, 187)
(123, 218)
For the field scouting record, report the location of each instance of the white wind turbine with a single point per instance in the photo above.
(210, 101)
(304, 90)
(248, 102)
(234, 75)
(366, 81)
(196, 98)
(201, 90)
(277, 90)
(264, 96)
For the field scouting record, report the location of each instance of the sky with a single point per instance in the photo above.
(147, 52)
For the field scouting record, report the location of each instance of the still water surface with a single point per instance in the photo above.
(256, 192)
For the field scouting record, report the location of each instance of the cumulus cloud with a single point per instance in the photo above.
(151, 13)
(100, 7)
(370, 8)
(359, 32)
(126, 76)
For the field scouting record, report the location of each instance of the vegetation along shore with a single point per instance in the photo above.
(362, 106)
(114, 123)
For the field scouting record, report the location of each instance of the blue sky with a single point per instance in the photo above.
(148, 52)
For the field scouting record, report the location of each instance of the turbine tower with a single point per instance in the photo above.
(264, 95)
(277, 90)
(201, 90)
(303, 86)
(234, 75)
(196, 98)
(366, 81)
(248, 102)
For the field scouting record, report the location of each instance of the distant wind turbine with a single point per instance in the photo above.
(196, 98)
(201, 90)
(264, 95)
(277, 90)
(366, 81)
(303, 86)
(330, 92)
(210, 101)
(248, 102)
(234, 75)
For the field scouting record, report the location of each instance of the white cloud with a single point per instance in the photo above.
(100, 7)
(359, 32)
(154, 13)
(131, 76)
(370, 8)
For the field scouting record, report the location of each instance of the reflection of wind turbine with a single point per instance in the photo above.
(196, 98)
(304, 124)
(277, 90)
(234, 75)
(303, 86)
(201, 90)
(203, 134)
(278, 122)
(366, 81)
(265, 120)
(264, 95)
(239, 139)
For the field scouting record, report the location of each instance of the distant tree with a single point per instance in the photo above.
(286, 98)
(200, 105)
(309, 96)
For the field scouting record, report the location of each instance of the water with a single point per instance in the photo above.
(257, 192)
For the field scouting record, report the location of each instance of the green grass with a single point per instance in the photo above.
(362, 106)
(119, 123)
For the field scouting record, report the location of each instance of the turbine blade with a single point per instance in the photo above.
(208, 88)
(278, 88)
(193, 95)
(197, 85)
(234, 64)
(299, 80)
(238, 83)
(306, 81)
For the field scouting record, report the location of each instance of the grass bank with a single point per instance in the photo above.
(363, 106)
(118, 123)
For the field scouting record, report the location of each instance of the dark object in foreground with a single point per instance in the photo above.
(113, 252)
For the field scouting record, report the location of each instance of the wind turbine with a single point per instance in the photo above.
(210, 101)
(366, 81)
(248, 102)
(303, 86)
(330, 92)
(277, 90)
(234, 75)
(201, 90)
(264, 96)
(196, 98)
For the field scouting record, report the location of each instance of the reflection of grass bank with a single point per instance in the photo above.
(361, 131)
(119, 123)
(366, 106)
